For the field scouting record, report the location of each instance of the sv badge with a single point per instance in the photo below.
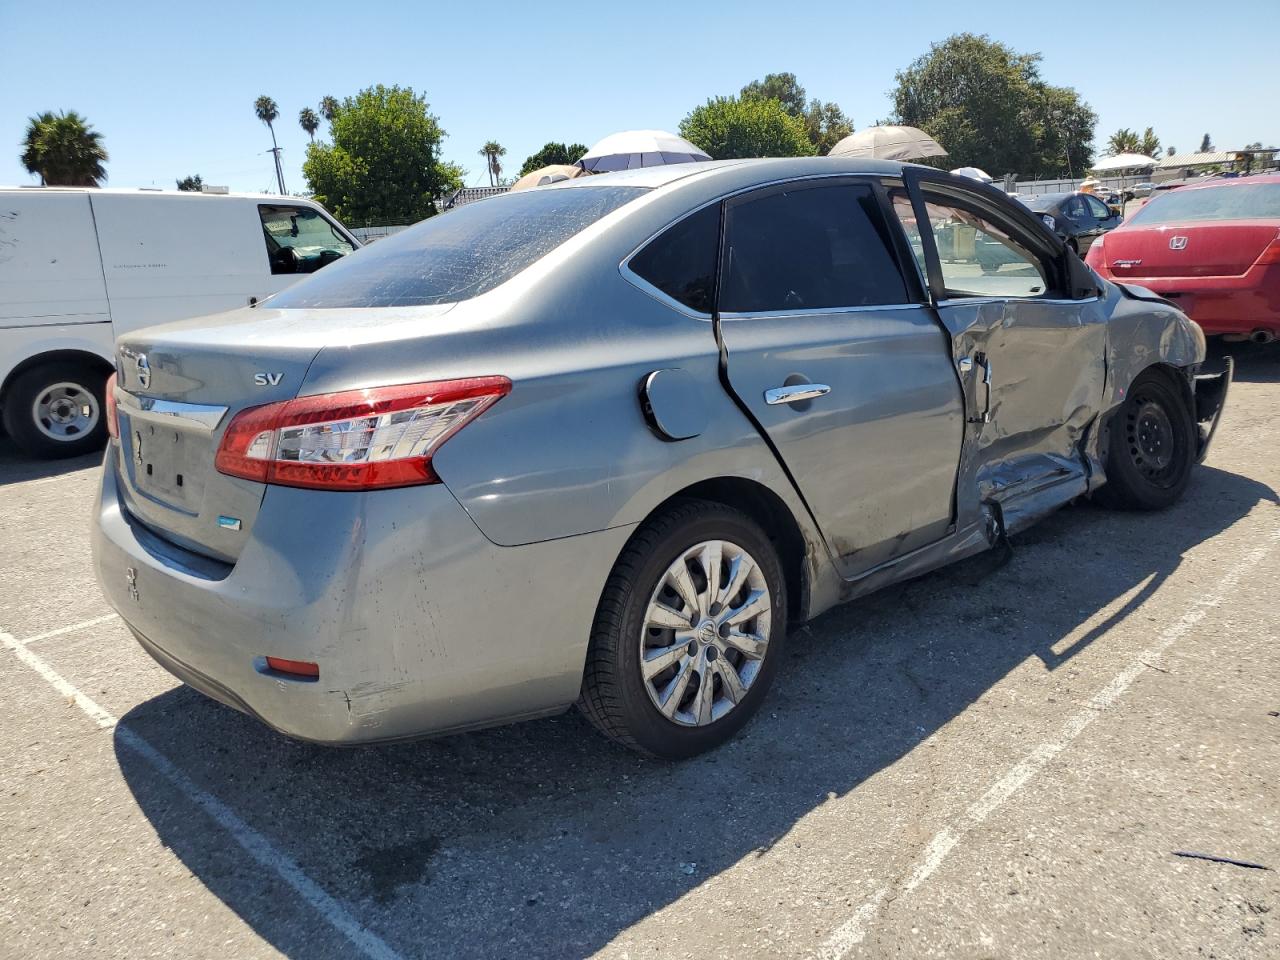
(267, 379)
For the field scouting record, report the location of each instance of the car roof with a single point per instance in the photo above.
(767, 168)
(1234, 181)
(36, 189)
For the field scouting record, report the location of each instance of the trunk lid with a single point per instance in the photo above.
(179, 386)
(1221, 248)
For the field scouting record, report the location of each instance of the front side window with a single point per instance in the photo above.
(300, 239)
(809, 248)
(681, 261)
(978, 258)
(459, 254)
(1099, 209)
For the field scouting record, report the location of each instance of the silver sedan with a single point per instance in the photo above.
(605, 442)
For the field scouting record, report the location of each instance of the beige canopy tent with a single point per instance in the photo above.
(889, 143)
(549, 174)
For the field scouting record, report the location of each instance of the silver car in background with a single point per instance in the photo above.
(604, 442)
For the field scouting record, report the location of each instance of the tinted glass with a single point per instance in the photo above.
(1254, 201)
(460, 254)
(682, 261)
(809, 249)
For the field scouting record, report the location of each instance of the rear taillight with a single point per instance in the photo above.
(113, 419)
(356, 440)
(1271, 254)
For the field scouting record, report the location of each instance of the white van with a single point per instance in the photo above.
(79, 267)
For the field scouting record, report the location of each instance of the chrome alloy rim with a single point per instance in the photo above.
(65, 411)
(706, 633)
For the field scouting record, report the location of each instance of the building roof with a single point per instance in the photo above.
(1196, 159)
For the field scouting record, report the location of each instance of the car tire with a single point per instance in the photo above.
(1151, 447)
(704, 706)
(57, 410)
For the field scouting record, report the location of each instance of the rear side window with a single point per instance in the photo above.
(1254, 201)
(460, 254)
(809, 248)
(681, 262)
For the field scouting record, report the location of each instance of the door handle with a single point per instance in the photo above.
(983, 361)
(796, 392)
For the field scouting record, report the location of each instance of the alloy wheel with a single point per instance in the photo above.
(706, 633)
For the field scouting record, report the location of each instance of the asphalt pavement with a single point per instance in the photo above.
(976, 764)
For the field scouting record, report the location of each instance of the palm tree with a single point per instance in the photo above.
(64, 150)
(491, 151)
(1123, 140)
(1149, 144)
(309, 122)
(267, 112)
(329, 108)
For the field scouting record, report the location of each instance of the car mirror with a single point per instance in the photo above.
(1080, 278)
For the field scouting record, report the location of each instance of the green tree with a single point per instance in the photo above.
(267, 111)
(492, 152)
(1149, 144)
(552, 152)
(730, 127)
(825, 123)
(987, 105)
(328, 108)
(63, 150)
(782, 87)
(383, 165)
(1206, 145)
(191, 184)
(309, 121)
(1170, 151)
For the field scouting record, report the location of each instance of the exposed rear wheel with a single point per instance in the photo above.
(688, 633)
(1151, 447)
(56, 410)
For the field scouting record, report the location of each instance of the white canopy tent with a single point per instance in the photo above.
(1123, 161)
(976, 173)
(639, 148)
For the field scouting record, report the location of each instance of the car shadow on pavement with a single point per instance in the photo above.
(543, 840)
(17, 467)
(1255, 363)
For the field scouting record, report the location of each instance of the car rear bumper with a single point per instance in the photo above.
(1222, 305)
(419, 624)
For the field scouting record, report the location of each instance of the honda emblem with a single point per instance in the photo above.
(1177, 243)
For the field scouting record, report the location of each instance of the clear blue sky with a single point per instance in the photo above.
(171, 87)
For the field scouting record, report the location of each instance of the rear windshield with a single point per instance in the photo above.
(459, 254)
(1254, 201)
(1041, 202)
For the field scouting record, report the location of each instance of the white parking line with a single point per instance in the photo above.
(852, 932)
(71, 629)
(254, 843)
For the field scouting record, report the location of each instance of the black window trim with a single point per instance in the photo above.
(633, 278)
(873, 183)
(1023, 225)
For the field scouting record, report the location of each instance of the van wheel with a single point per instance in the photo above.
(56, 410)
(688, 634)
(1151, 447)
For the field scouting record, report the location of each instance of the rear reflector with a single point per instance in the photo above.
(113, 419)
(299, 668)
(355, 440)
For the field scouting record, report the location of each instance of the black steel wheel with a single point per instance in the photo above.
(1152, 446)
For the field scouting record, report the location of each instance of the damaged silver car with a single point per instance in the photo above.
(605, 442)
